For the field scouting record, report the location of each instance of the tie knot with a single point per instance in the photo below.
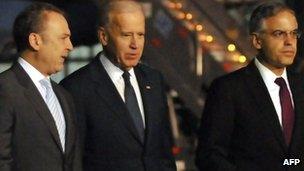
(126, 77)
(46, 83)
(280, 82)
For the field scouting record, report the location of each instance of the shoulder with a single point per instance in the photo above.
(232, 79)
(80, 75)
(295, 79)
(8, 80)
(7, 76)
(148, 71)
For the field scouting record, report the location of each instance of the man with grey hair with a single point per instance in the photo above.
(122, 103)
(253, 119)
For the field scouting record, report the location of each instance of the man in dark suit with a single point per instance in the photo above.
(37, 121)
(253, 119)
(121, 103)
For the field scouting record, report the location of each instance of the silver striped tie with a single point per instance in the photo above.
(55, 109)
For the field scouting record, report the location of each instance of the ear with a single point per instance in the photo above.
(35, 41)
(256, 41)
(103, 36)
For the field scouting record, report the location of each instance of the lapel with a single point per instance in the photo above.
(146, 89)
(70, 129)
(36, 100)
(296, 87)
(107, 91)
(263, 100)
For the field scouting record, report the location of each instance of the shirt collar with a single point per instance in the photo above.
(34, 74)
(113, 71)
(267, 75)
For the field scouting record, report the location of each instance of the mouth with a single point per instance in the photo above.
(63, 58)
(289, 52)
(132, 55)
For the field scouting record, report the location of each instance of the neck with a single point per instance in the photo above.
(31, 58)
(113, 59)
(277, 70)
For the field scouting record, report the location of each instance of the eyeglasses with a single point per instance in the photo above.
(280, 34)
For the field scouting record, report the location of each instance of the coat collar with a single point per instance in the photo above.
(37, 102)
(267, 111)
(264, 103)
(106, 90)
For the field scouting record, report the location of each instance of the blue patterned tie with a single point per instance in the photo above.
(132, 105)
(55, 109)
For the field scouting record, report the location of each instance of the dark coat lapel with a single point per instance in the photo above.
(37, 102)
(296, 86)
(263, 101)
(70, 129)
(146, 89)
(107, 91)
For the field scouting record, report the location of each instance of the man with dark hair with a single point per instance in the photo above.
(37, 122)
(253, 118)
(121, 103)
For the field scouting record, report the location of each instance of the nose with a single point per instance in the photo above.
(133, 43)
(69, 45)
(289, 40)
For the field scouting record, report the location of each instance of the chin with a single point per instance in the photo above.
(58, 69)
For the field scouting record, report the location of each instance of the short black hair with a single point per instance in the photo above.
(263, 11)
(30, 20)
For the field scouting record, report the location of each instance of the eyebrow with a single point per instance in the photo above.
(66, 34)
(285, 30)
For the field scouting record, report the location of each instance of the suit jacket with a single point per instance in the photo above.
(240, 129)
(111, 142)
(29, 139)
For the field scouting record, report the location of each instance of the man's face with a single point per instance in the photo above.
(124, 38)
(55, 43)
(278, 40)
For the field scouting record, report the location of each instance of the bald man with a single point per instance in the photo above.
(121, 103)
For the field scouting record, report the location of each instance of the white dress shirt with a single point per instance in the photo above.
(273, 89)
(115, 74)
(36, 77)
(34, 74)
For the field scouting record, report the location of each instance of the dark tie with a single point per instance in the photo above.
(132, 105)
(287, 109)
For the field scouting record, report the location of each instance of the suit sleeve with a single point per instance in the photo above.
(80, 122)
(216, 129)
(77, 160)
(6, 132)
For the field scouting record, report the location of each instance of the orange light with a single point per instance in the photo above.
(242, 59)
(189, 16)
(231, 47)
(181, 15)
(199, 27)
(209, 39)
(178, 5)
